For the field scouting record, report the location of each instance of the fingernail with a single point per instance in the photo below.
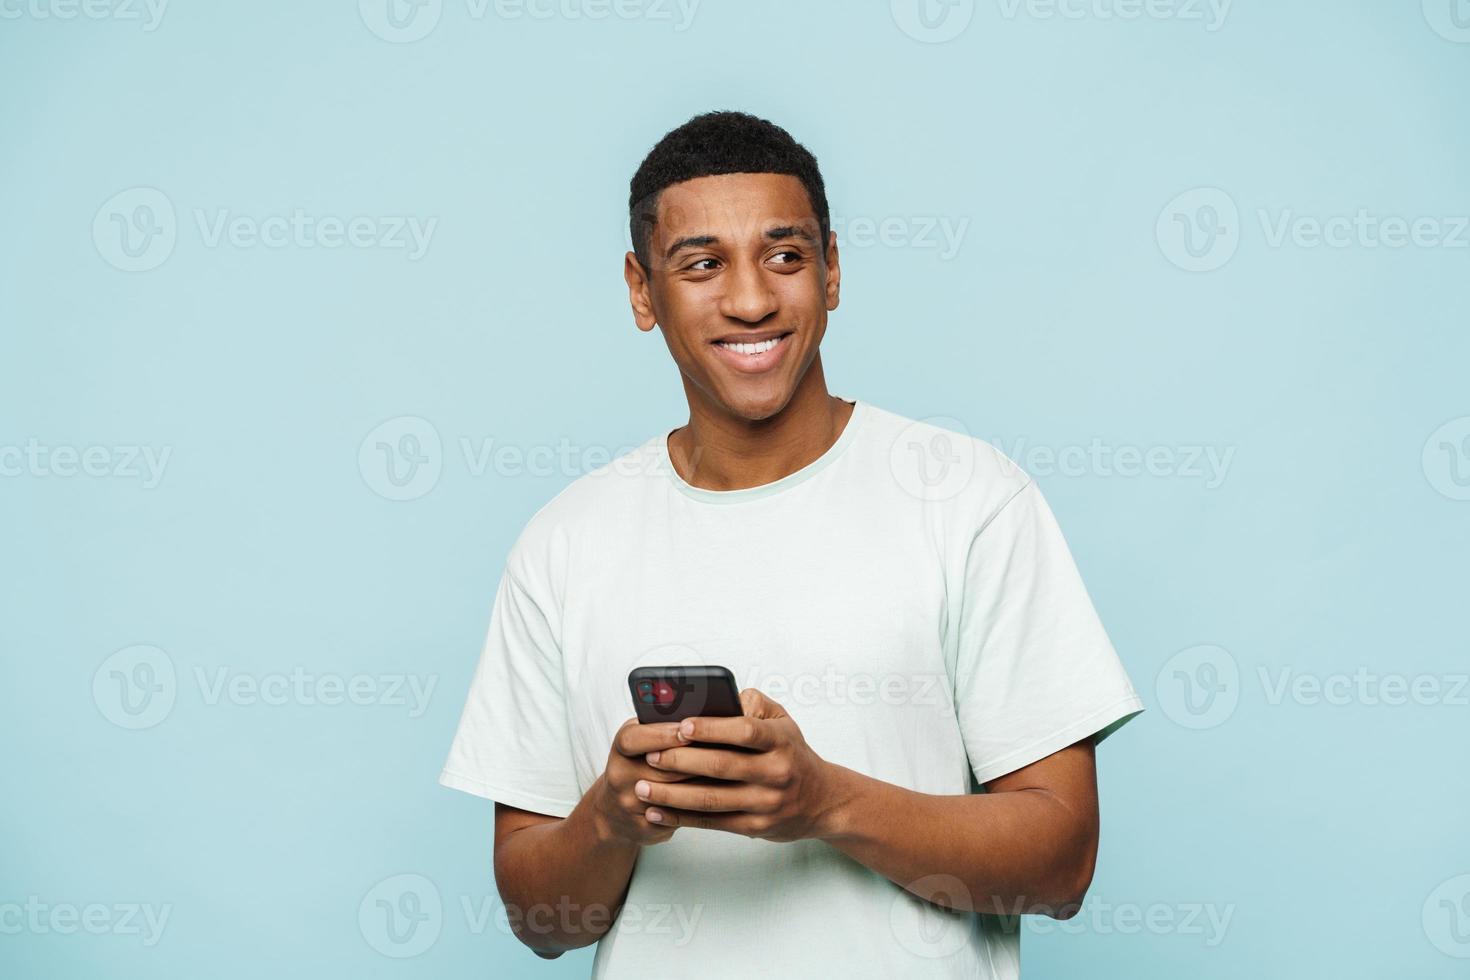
(686, 729)
(640, 789)
(655, 817)
(653, 758)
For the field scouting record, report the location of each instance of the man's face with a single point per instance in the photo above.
(734, 261)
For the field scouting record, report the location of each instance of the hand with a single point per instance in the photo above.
(618, 812)
(781, 791)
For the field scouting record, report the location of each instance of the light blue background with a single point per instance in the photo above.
(1328, 833)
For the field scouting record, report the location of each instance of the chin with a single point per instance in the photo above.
(755, 406)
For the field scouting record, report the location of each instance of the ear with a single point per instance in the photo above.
(638, 297)
(834, 272)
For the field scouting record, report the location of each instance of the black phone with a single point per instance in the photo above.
(674, 693)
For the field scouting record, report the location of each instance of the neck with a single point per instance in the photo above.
(720, 451)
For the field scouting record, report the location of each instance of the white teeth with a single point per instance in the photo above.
(759, 348)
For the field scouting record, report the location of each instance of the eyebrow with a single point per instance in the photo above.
(771, 235)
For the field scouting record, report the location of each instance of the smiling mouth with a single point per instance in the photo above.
(752, 349)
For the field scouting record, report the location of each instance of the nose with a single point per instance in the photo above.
(747, 297)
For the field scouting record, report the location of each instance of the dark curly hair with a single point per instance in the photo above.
(719, 143)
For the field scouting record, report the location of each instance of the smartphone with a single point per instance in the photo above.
(676, 693)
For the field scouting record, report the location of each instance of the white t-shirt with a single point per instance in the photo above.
(907, 597)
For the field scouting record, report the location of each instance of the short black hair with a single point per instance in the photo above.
(720, 143)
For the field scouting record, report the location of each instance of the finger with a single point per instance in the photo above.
(740, 767)
(642, 770)
(703, 797)
(751, 733)
(744, 824)
(634, 740)
(753, 702)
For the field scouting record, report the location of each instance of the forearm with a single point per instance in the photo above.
(563, 881)
(1014, 852)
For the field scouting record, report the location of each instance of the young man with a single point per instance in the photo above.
(898, 599)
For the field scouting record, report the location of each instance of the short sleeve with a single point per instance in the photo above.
(513, 744)
(1034, 669)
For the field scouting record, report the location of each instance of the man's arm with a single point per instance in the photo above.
(1027, 845)
(563, 879)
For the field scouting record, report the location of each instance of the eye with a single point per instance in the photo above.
(786, 256)
(703, 265)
